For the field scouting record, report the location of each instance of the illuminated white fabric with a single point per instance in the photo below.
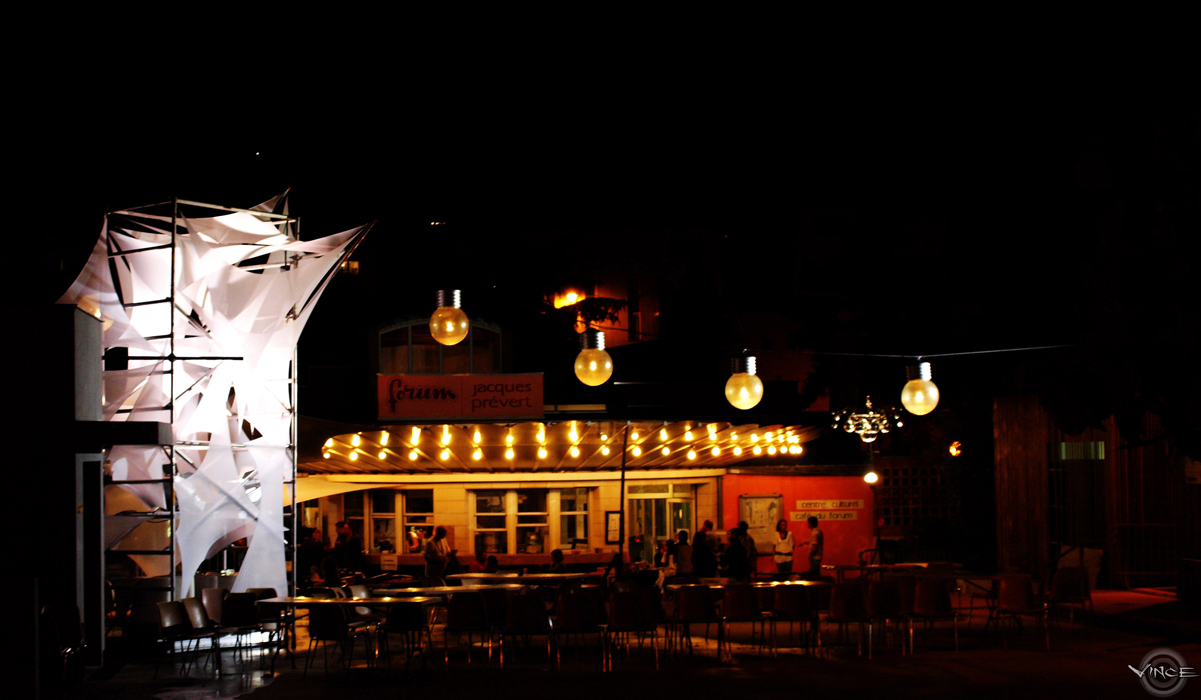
(232, 418)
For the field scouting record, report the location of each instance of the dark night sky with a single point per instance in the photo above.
(944, 217)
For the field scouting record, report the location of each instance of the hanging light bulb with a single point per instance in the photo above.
(636, 451)
(354, 456)
(412, 455)
(445, 455)
(325, 455)
(871, 477)
(737, 450)
(715, 451)
(449, 325)
(593, 366)
(743, 389)
(329, 442)
(919, 396)
(605, 450)
(541, 453)
(383, 455)
(509, 453)
(476, 437)
(477, 454)
(666, 451)
(691, 454)
(416, 436)
(383, 438)
(575, 451)
(354, 440)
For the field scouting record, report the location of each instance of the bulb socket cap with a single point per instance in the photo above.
(592, 339)
(448, 298)
(742, 364)
(919, 371)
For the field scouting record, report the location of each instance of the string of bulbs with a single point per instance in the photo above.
(744, 390)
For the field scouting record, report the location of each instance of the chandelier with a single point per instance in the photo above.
(868, 425)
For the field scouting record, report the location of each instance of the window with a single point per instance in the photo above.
(418, 509)
(409, 348)
(491, 528)
(530, 521)
(573, 519)
(378, 512)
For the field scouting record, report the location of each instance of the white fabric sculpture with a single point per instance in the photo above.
(243, 288)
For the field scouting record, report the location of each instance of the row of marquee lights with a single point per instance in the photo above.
(593, 366)
(771, 442)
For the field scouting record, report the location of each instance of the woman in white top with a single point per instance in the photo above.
(784, 546)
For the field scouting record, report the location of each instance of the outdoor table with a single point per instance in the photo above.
(542, 579)
(444, 591)
(866, 569)
(308, 602)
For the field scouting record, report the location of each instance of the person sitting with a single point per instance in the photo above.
(556, 563)
(492, 566)
(477, 565)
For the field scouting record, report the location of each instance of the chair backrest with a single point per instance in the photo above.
(848, 602)
(328, 622)
(1070, 584)
(172, 616)
(625, 612)
(212, 598)
(767, 597)
(884, 599)
(793, 603)
(931, 598)
(198, 617)
(572, 611)
(406, 617)
(496, 606)
(239, 610)
(907, 585)
(1016, 594)
(740, 602)
(527, 612)
(262, 593)
(466, 611)
(693, 603)
(360, 590)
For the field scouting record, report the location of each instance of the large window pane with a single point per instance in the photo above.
(383, 501)
(394, 352)
(352, 504)
(573, 532)
(573, 500)
(489, 501)
(531, 501)
(532, 539)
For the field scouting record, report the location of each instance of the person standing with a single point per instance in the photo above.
(437, 553)
(683, 556)
(784, 545)
(704, 560)
(734, 559)
(816, 546)
(752, 554)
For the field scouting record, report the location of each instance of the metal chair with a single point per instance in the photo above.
(794, 604)
(627, 614)
(848, 603)
(1015, 600)
(578, 613)
(694, 605)
(466, 613)
(740, 603)
(527, 617)
(932, 601)
(1069, 587)
(884, 603)
(329, 623)
(410, 620)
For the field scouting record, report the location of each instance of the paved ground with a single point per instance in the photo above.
(1088, 661)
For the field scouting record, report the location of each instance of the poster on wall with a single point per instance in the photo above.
(761, 513)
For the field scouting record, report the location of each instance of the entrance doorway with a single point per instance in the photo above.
(658, 512)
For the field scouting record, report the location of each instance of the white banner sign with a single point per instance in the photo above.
(798, 515)
(829, 504)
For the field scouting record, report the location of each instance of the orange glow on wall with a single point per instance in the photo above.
(568, 297)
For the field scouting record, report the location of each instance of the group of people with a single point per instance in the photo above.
(738, 560)
(323, 564)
